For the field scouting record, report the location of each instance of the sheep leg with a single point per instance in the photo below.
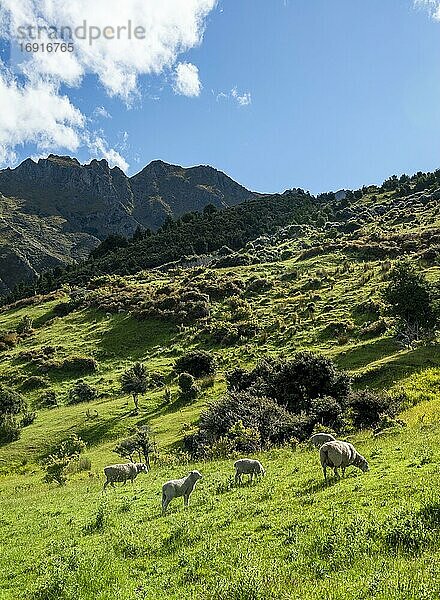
(335, 469)
(186, 500)
(106, 484)
(237, 477)
(343, 471)
(165, 502)
(324, 468)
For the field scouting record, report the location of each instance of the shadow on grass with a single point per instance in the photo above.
(318, 486)
(130, 337)
(366, 353)
(106, 429)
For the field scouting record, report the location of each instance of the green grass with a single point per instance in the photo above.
(288, 536)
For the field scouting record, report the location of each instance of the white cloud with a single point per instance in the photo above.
(187, 82)
(50, 120)
(170, 27)
(432, 5)
(38, 114)
(242, 99)
(99, 149)
(101, 112)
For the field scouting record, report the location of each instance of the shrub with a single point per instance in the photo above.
(9, 429)
(140, 443)
(327, 412)
(28, 418)
(11, 402)
(264, 416)
(25, 326)
(197, 363)
(374, 329)
(82, 392)
(79, 364)
(411, 301)
(61, 457)
(293, 383)
(189, 390)
(34, 382)
(48, 399)
(368, 407)
(8, 339)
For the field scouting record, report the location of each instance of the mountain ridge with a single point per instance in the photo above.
(78, 205)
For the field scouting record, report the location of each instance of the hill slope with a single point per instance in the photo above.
(287, 536)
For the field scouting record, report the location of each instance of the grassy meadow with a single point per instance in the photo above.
(286, 536)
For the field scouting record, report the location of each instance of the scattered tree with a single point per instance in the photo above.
(411, 301)
(134, 381)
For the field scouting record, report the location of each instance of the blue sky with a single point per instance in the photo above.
(317, 94)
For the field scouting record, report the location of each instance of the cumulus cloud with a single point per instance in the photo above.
(36, 113)
(187, 82)
(118, 57)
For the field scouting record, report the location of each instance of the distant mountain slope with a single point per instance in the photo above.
(56, 210)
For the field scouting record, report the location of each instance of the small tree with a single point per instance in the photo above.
(141, 443)
(134, 381)
(61, 457)
(411, 301)
(25, 326)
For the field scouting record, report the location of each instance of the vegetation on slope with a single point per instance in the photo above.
(288, 536)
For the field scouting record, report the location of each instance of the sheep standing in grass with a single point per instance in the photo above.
(123, 473)
(179, 487)
(337, 454)
(248, 466)
(318, 439)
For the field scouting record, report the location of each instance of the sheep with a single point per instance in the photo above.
(175, 488)
(337, 454)
(247, 466)
(318, 439)
(123, 472)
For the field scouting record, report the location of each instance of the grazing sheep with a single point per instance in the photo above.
(318, 439)
(179, 487)
(247, 466)
(123, 472)
(337, 454)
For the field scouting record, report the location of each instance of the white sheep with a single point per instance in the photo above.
(175, 488)
(123, 472)
(337, 454)
(321, 438)
(248, 466)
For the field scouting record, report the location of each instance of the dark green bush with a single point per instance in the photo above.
(34, 382)
(293, 383)
(367, 408)
(9, 429)
(11, 402)
(82, 392)
(197, 363)
(189, 390)
(263, 415)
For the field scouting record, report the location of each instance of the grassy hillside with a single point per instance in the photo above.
(286, 536)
